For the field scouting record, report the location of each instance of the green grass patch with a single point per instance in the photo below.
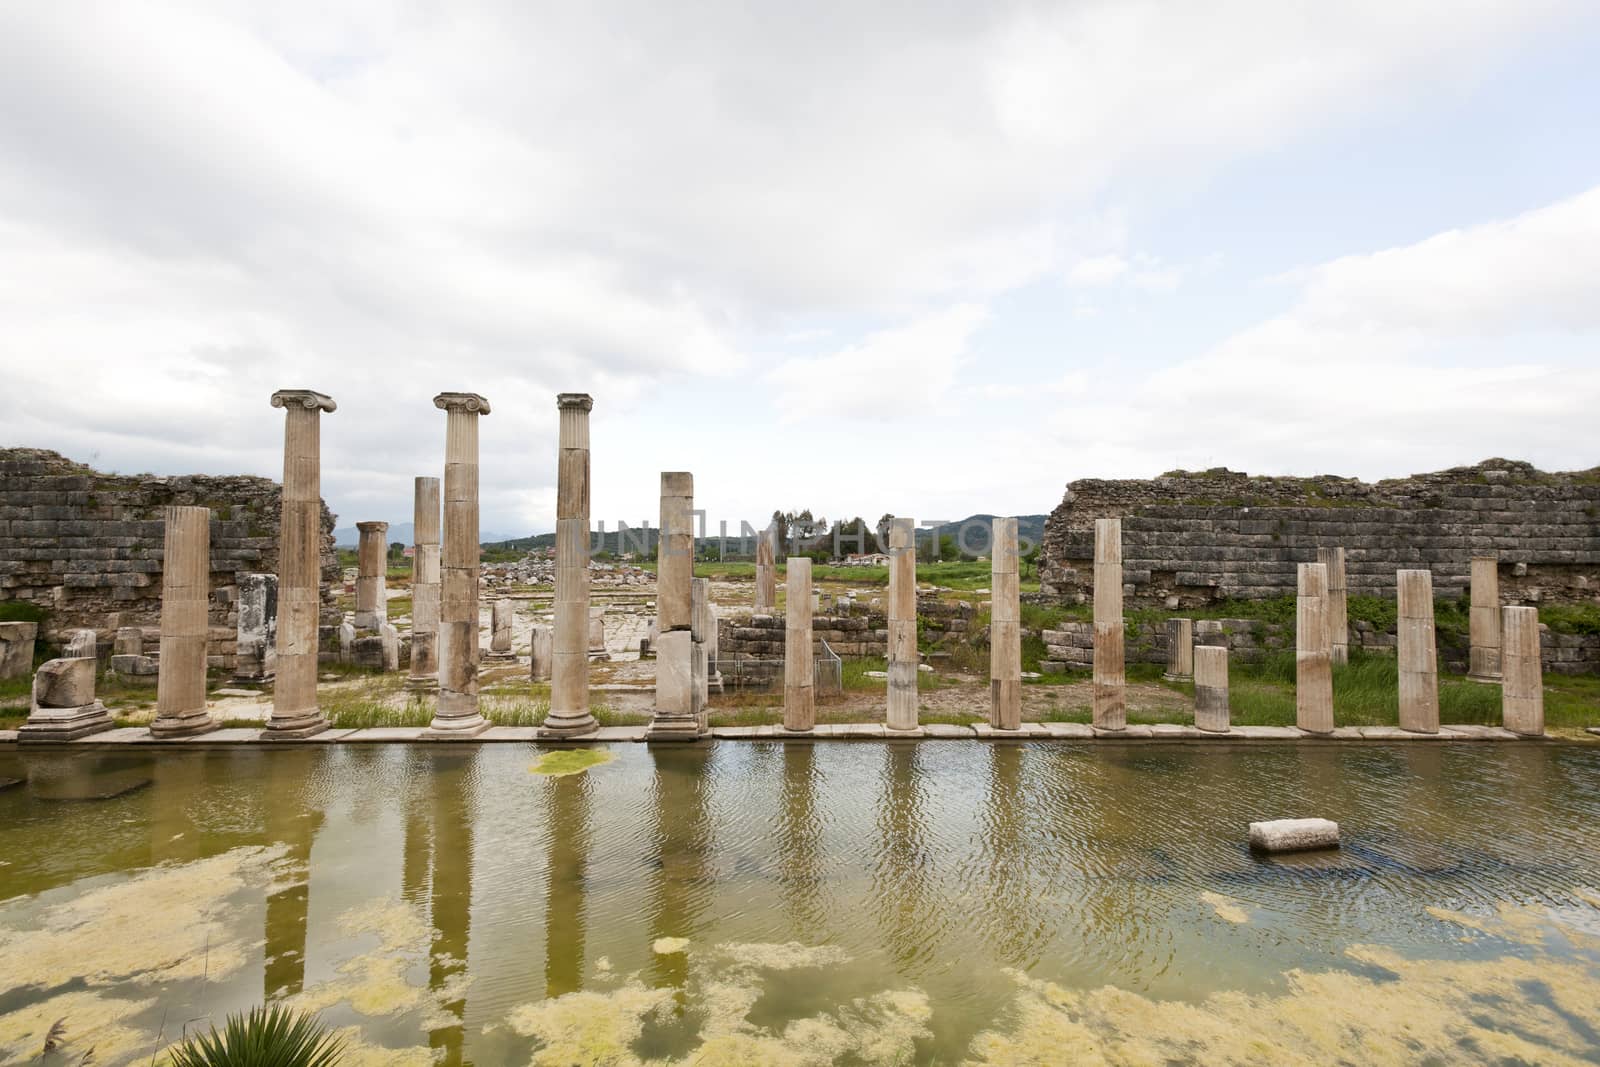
(1571, 618)
(571, 761)
(21, 611)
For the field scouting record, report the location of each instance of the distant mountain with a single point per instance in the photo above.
(404, 532)
(975, 532)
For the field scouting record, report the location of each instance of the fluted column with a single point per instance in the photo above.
(185, 604)
(294, 692)
(424, 674)
(569, 658)
(1211, 710)
(767, 571)
(903, 655)
(676, 715)
(500, 616)
(1313, 667)
(1338, 604)
(1522, 687)
(799, 692)
(372, 569)
(1417, 652)
(1005, 628)
(1483, 662)
(1180, 650)
(1110, 678)
(457, 715)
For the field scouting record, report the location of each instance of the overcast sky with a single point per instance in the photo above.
(932, 259)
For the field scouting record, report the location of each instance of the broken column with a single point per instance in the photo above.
(1180, 650)
(294, 693)
(1522, 683)
(16, 648)
(1211, 688)
(257, 631)
(713, 674)
(597, 634)
(799, 683)
(1005, 628)
(1418, 652)
(372, 561)
(700, 636)
(676, 716)
(902, 653)
(1483, 656)
(569, 658)
(128, 661)
(767, 571)
(500, 629)
(457, 715)
(185, 604)
(1110, 681)
(541, 650)
(424, 673)
(1338, 605)
(1313, 667)
(64, 706)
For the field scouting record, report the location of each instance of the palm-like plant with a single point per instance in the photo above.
(268, 1036)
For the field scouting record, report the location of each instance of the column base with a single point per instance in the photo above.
(1486, 679)
(556, 725)
(261, 679)
(912, 733)
(182, 725)
(66, 724)
(499, 657)
(1177, 677)
(422, 685)
(675, 728)
(463, 728)
(295, 727)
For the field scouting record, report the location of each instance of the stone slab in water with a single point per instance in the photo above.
(1294, 835)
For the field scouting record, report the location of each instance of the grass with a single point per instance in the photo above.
(1571, 618)
(20, 611)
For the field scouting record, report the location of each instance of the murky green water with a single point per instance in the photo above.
(850, 903)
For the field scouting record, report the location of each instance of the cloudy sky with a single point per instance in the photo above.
(931, 259)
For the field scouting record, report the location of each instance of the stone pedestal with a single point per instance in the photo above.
(1110, 678)
(1313, 656)
(294, 694)
(1418, 653)
(457, 716)
(64, 706)
(901, 714)
(185, 603)
(424, 674)
(1483, 655)
(799, 682)
(1338, 605)
(500, 630)
(541, 653)
(1522, 682)
(569, 659)
(257, 630)
(372, 562)
(1211, 688)
(16, 648)
(766, 571)
(677, 715)
(1180, 650)
(1005, 628)
(128, 661)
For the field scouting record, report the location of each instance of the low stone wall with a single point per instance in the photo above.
(87, 546)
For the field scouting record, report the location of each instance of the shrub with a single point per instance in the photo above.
(269, 1036)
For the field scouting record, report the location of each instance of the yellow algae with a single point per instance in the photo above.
(399, 925)
(784, 957)
(667, 946)
(89, 1021)
(1227, 908)
(358, 1053)
(373, 985)
(163, 924)
(572, 761)
(590, 1028)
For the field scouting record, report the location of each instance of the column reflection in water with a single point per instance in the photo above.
(451, 902)
(292, 821)
(1015, 918)
(567, 824)
(902, 870)
(683, 846)
(800, 843)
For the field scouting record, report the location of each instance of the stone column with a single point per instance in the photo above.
(372, 562)
(597, 634)
(569, 662)
(64, 706)
(766, 571)
(185, 605)
(1180, 650)
(1418, 652)
(1211, 688)
(799, 682)
(257, 633)
(16, 648)
(1313, 666)
(294, 693)
(541, 651)
(1110, 680)
(713, 644)
(1005, 628)
(1522, 690)
(700, 636)
(676, 716)
(500, 629)
(1483, 663)
(424, 675)
(457, 716)
(902, 651)
(1338, 604)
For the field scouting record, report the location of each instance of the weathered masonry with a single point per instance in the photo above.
(1192, 538)
(88, 546)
